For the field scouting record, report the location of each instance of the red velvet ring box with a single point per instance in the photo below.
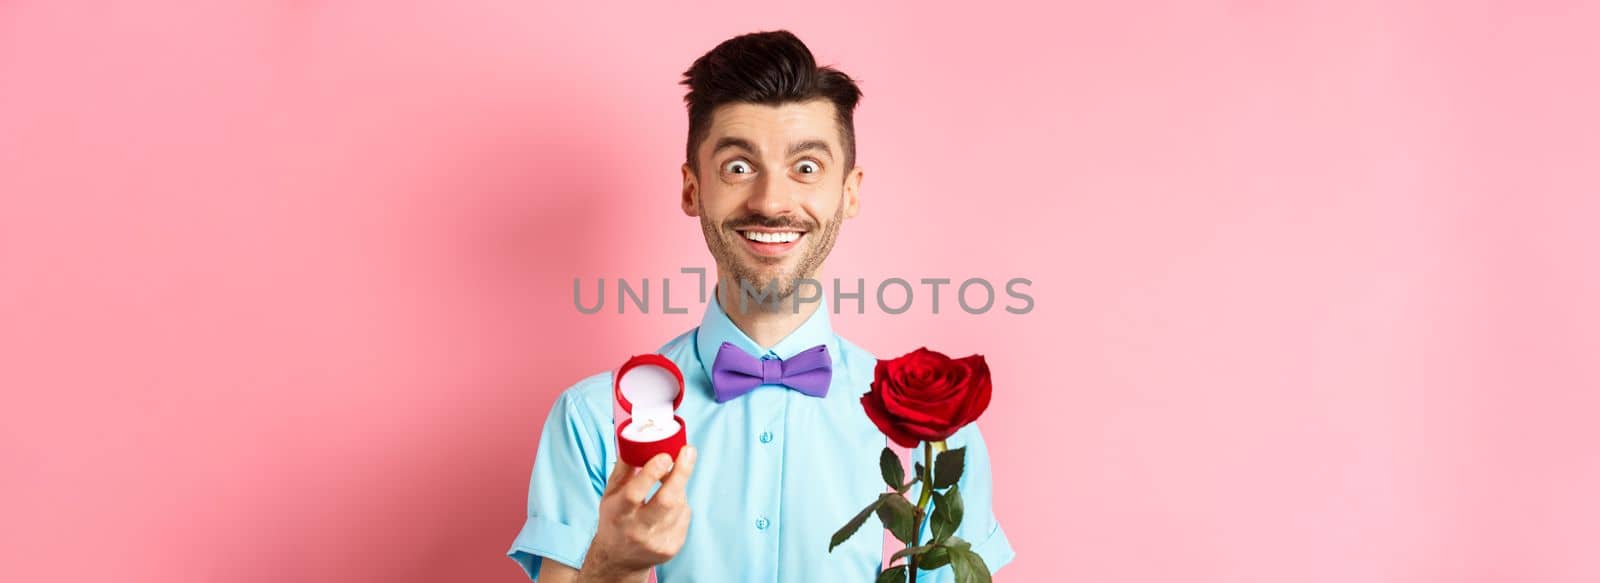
(650, 388)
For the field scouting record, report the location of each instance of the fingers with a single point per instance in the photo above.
(637, 487)
(672, 487)
(619, 476)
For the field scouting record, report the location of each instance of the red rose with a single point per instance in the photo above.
(927, 396)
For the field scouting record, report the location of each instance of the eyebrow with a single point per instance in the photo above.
(796, 148)
(810, 145)
(732, 142)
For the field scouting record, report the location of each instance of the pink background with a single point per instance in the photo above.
(285, 287)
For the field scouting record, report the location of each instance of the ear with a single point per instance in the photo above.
(691, 192)
(852, 191)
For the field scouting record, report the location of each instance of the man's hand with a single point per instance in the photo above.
(634, 535)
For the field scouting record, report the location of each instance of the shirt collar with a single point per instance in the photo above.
(716, 328)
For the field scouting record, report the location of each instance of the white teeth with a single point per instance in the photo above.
(783, 237)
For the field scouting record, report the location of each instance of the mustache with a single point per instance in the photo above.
(778, 222)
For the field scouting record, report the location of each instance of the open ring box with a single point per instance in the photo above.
(650, 388)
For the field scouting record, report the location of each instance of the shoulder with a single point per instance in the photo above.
(588, 399)
(855, 353)
(857, 362)
(680, 348)
(591, 396)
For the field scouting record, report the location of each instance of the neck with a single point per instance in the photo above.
(765, 322)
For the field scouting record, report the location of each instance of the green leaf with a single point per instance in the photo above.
(893, 473)
(947, 467)
(908, 551)
(921, 471)
(936, 557)
(898, 516)
(968, 566)
(893, 575)
(939, 519)
(955, 542)
(856, 521)
(947, 513)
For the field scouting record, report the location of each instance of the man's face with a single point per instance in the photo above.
(771, 191)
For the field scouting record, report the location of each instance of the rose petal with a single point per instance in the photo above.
(883, 420)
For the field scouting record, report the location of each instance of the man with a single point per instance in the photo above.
(771, 174)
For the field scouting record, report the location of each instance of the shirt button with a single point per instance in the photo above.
(766, 437)
(762, 523)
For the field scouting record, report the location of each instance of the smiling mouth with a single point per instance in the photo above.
(770, 243)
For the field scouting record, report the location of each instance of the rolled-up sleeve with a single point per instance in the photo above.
(569, 474)
(978, 523)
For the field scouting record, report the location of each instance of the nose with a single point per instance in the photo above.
(771, 196)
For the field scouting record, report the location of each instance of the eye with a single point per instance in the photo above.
(737, 166)
(807, 167)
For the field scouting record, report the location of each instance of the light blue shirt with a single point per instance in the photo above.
(778, 472)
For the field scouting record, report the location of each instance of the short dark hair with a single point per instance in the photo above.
(767, 68)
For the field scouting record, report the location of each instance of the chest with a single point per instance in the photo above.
(778, 473)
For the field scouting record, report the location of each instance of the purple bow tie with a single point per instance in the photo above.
(735, 372)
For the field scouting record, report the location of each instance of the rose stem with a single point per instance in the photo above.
(922, 502)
